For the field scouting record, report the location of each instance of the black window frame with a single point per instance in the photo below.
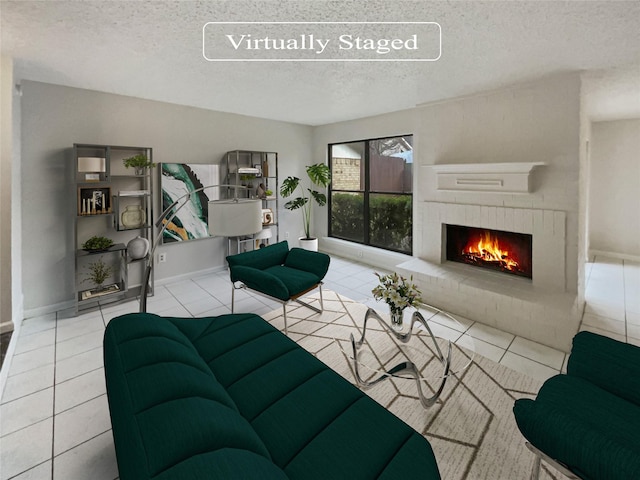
(366, 192)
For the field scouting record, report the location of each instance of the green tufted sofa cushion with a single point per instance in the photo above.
(231, 397)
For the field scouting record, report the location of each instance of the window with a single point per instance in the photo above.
(371, 192)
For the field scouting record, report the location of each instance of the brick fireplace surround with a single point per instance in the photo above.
(505, 160)
(538, 309)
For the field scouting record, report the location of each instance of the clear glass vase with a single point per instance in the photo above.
(396, 319)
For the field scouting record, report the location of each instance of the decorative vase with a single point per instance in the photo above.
(138, 248)
(139, 170)
(396, 319)
(133, 216)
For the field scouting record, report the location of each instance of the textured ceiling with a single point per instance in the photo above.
(153, 50)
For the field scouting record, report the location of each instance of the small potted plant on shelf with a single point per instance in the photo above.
(399, 293)
(98, 273)
(139, 162)
(97, 244)
(319, 175)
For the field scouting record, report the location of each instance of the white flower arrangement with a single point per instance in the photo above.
(397, 292)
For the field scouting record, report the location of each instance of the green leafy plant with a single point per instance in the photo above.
(138, 161)
(99, 272)
(398, 292)
(319, 175)
(97, 243)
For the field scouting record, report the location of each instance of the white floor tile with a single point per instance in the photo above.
(67, 332)
(491, 335)
(94, 459)
(26, 411)
(27, 343)
(38, 324)
(39, 472)
(604, 323)
(527, 366)
(30, 360)
(80, 344)
(540, 353)
(79, 390)
(28, 382)
(79, 364)
(81, 423)
(25, 449)
(481, 348)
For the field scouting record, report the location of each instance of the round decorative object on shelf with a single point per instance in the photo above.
(133, 216)
(138, 248)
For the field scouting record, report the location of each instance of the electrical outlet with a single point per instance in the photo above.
(162, 257)
(360, 253)
(286, 235)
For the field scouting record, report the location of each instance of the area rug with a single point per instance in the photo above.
(471, 427)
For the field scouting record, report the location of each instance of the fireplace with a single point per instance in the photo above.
(506, 252)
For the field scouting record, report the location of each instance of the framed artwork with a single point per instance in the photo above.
(94, 201)
(178, 179)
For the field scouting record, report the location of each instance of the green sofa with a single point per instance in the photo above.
(231, 397)
(588, 421)
(279, 273)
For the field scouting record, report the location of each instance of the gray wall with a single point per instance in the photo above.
(614, 186)
(55, 117)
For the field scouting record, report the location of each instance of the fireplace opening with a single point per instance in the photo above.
(507, 252)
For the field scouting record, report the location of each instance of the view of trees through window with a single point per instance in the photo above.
(371, 192)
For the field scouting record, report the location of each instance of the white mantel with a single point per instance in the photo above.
(508, 177)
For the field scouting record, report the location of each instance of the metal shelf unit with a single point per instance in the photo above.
(105, 191)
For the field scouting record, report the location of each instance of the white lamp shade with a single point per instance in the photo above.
(235, 218)
(92, 164)
(264, 234)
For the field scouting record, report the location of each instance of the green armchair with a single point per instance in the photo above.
(279, 273)
(587, 423)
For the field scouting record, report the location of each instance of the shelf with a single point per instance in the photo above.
(134, 193)
(118, 247)
(109, 291)
(94, 215)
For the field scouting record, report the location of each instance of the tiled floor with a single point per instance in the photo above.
(54, 419)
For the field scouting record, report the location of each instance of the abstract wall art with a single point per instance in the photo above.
(178, 179)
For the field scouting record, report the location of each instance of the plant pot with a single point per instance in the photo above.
(308, 243)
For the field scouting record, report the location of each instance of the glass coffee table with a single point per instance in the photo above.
(414, 352)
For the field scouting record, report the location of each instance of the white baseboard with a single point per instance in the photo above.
(188, 276)
(6, 365)
(48, 309)
(616, 255)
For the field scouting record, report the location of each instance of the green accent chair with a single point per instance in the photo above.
(279, 273)
(232, 398)
(587, 423)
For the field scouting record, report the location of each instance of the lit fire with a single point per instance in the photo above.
(487, 249)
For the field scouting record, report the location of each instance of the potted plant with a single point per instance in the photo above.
(97, 244)
(319, 175)
(139, 163)
(98, 273)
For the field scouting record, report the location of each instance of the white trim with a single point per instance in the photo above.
(187, 276)
(8, 358)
